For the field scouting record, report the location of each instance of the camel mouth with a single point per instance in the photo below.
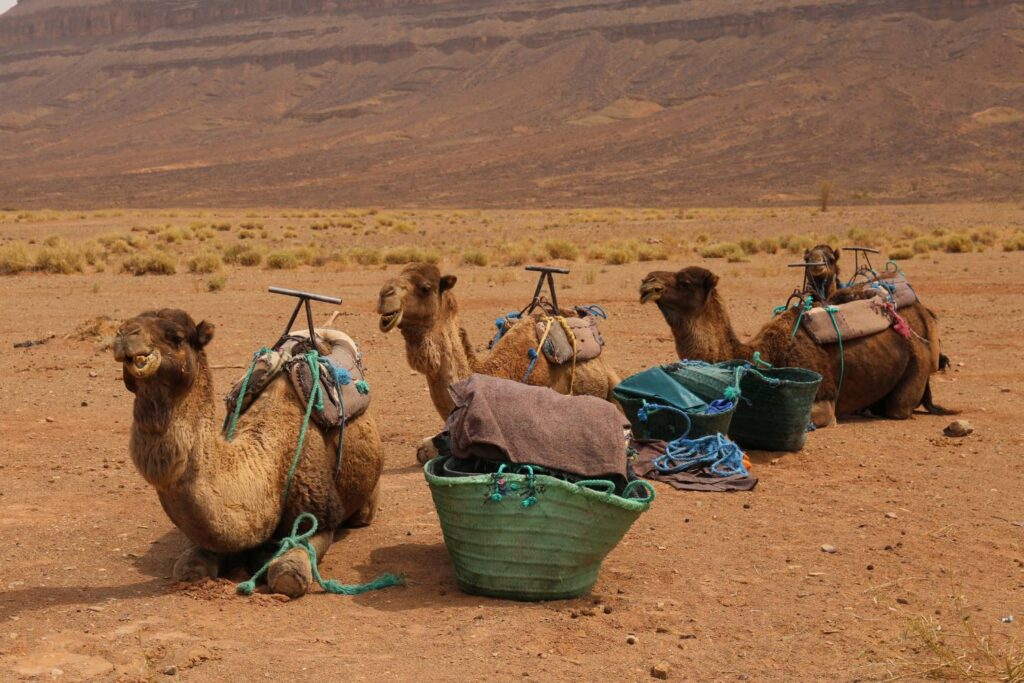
(650, 294)
(143, 365)
(389, 321)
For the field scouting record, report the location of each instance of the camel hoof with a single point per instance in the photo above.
(426, 451)
(823, 414)
(195, 564)
(290, 574)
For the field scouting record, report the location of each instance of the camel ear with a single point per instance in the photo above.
(710, 280)
(835, 253)
(447, 282)
(204, 333)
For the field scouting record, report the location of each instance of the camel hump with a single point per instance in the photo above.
(340, 374)
(562, 336)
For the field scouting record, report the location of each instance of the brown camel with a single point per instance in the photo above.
(226, 497)
(421, 304)
(885, 372)
(823, 281)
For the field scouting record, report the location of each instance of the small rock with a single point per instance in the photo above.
(1008, 619)
(607, 609)
(661, 629)
(903, 601)
(660, 671)
(85, 404)
(94, 608)
(828, 548)
(871, 567)
(631, 639)
(93, 373)
(574, 614)
(890, 515)
(957, 428)
(170, 670)
(50, 419)
(1005, 390)
(746, 506)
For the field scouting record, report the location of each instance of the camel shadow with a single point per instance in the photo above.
(16, 602)
(159, 558)
(430, 580)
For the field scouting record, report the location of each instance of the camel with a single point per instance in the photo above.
(884, 372)
(421, 303)
(226, 497)
(823, 281)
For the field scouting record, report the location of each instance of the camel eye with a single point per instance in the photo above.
(426, 287)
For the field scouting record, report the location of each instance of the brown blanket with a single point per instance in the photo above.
(703, 480)
(505, 421)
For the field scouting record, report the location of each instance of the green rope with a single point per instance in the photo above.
(832, 310)
(808, 305)
(759, 362)
(297, 540)
(241, 394)
(316, 398)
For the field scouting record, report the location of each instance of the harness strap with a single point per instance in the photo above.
(572, 337)
(533, 354)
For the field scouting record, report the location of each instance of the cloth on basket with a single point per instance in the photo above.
(504, 420)
(702, 479)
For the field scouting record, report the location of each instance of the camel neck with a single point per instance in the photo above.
(223, 496)
(441, 352)
(708, 336)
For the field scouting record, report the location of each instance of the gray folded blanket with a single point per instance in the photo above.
(506, 421)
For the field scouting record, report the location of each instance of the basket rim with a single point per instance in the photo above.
(630, 504)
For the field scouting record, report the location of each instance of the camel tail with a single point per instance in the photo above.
(944, 362)
(932, 407)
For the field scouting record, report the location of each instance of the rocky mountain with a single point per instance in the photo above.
(508, 102)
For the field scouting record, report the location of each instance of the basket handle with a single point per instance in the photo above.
(639, 484)
(600, 485)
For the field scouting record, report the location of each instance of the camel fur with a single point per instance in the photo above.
(886, 372)
(226, 497)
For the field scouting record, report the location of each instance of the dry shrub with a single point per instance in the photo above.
(958, 243)
(173, 235)
(590, 277)
(403, 255)
(289, 259)
(14, 258)
(984, 236)
(243, 255)
(750, 246)
(561, 249)
(962, 653)
(221, 227)
(901, 252)
(474, 257)
(1015, 242)
(149, 263)
(796, 244)
(923, 245)
(364, 256)
(205, 263)
(862, 237)
(720, 250)
(616, 252)
(216, 283)
(824, 194)
(57, 256)
(515, 253)
(652, 252)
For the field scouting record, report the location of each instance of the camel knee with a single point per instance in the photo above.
(196, 564)
(290, 574)
(369, 510)
(426, 451)
(823, 414)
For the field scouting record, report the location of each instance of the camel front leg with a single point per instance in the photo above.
(823, 414)
(426, 451)
(196, 564)
(291, 574)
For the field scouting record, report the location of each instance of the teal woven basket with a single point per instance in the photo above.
(668, 425)
(776, 408)
(672, 388)
(549, 550)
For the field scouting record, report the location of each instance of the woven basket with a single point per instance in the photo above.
(668, 425)
(548, 551)
(776, 408)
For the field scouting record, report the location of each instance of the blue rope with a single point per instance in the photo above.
(341, 378)
(714, 452)
(832, 310)
(594, 310)
(500, 324)
(532, 353)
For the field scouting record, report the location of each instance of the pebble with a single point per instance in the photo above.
(171, 670)
(958, 428)
(828, 548)
(85, 404)
(50, 419)
(631, 639)
(903, 601)
(890, 515)
(660, 671)
(607, 609)
(93, 373)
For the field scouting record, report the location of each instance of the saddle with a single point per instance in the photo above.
(856, 319)
(346, 395)
(559, 334)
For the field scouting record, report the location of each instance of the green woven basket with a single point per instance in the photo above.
(550, 550)
(668, 425)
(776, 408)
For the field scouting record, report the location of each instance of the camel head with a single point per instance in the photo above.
(413, 299)
(684, 292)
(161, 351)
(828, 256)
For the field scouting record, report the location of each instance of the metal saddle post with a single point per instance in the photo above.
(807, 287)
(867, 270)
(547, 275)
(304, 299)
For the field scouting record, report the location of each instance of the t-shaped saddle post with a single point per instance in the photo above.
(304, 299)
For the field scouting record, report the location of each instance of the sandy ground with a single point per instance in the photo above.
(718, 586)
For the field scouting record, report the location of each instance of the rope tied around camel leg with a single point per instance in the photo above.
(302, 540)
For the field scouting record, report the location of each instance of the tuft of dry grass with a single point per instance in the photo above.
(1014, 242)
(403, 255)
(901, 253)
(149, 263)
(14, 258)
(561, 249)
(962, 653)
(216, 283)
(958, 243)
(474, 257)
(824, 194)
(57, 256)
(205, 263)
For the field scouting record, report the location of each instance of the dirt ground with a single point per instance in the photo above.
(718, 586)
